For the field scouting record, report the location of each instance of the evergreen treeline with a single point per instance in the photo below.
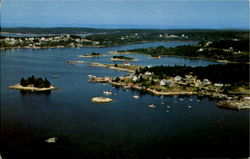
(36, 82)
(236, 74)
(95, 53)
(242, 45)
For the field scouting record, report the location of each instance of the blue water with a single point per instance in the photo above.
(124, 128)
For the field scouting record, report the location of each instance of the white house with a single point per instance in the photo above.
(206, 81)
(218, 84)
(107, 78)
(165, 82)
(126, 63)
(200, 50)
(135, 78)
(177, 78)
(147, 73)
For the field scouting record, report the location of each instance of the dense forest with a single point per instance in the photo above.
(236, 51)
(235, 74)
(36, 82)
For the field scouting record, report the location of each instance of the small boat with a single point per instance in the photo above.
(191, 100)
(136, 97)
(168, 106)
(107, 92)
(197, 100)
(180, 99)
(151, 106)
(189, 106)
(91, 77)
(126, 87)
(162, 103)
(55, 76)
(51, 140)
(167, 111)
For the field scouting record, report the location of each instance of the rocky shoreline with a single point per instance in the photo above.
(31, 88)
(235, 104)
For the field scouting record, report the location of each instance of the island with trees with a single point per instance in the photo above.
(123, 58)
(228, 83)
(33, 84)
(93, 54)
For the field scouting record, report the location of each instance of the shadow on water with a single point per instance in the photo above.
(25, 92)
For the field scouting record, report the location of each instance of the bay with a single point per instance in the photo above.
(124, 128)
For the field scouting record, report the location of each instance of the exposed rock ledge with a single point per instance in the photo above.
(31, 88)
(235, 104)
(101, 100)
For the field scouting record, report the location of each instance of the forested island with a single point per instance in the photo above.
(93, 54)
(223, 50)
(33, 84)
(123, 58)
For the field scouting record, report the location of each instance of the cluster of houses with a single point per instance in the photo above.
(172, 36)
(38, 41)
(172, 81)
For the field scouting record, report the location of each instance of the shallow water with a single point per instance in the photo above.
(125, 128)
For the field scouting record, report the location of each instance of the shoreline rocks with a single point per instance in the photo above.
(31, 88)
(234, 104)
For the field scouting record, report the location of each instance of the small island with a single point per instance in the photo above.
(123, 58)
(74, 62)
(93, 54)
(33, 84)
(101, 100)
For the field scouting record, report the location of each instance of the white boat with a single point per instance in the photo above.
(191, 100)
(51, 140)
(180, 99)
(151, 106)
(136, 97)
(189, 106)
(107, 92)
(91, 76)
(55, 76)
(168, 106)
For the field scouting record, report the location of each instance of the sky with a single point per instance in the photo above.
(211, 14)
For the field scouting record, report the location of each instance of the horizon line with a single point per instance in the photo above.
(126, 28)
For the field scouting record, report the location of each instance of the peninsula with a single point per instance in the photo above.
(235, 50)
(228, 83)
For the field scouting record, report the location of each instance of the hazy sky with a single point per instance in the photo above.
(130, 13)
